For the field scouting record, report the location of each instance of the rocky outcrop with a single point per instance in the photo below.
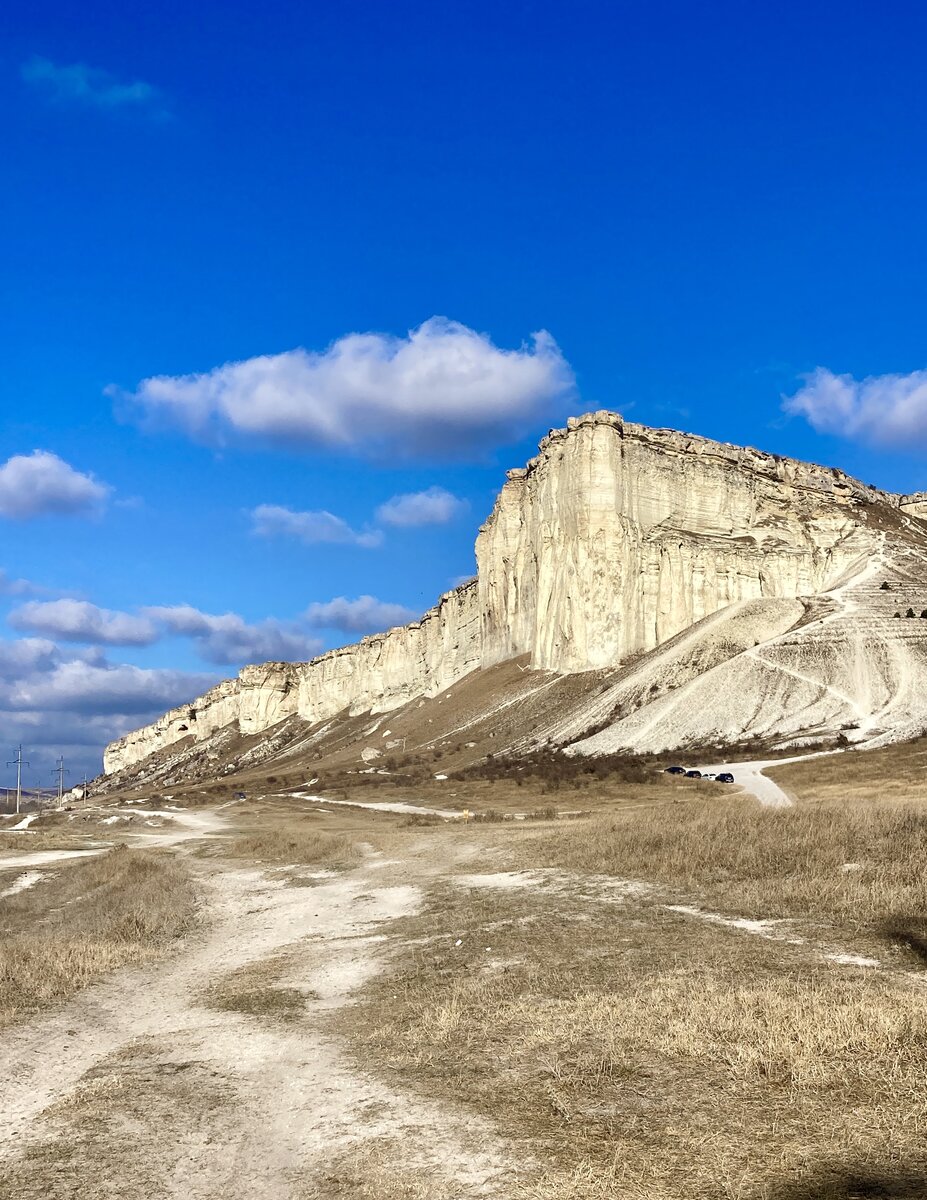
(617, 537)
(610, 542)
(915, 505)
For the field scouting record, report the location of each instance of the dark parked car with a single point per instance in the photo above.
(675, 771)
(725, 777)
(693, 774)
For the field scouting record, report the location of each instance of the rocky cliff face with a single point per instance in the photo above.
(610, 542)
(617, 537)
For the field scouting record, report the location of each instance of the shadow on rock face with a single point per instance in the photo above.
(840, 1183)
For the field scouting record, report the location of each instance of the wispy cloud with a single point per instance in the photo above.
(366, 614)
(90, 86)
(42, 484)
(273, 520)
(443, 390)
(19, 587)
(884, 410)
(434, 506)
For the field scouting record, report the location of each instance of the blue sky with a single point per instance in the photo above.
(701, 210)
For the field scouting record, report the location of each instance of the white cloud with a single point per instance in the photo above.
(23, 656)
(80, 687)
(73, 702)
(434, 506)
(81, 84)
(41, 678)
(366, 614)
(226, 638)
(885, 410)
(18, 587)
(272, 520)
(444, 389)
(222, 638)
(42, 484)
(81, 621)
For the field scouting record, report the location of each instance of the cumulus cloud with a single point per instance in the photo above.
(272, 520)
(81, 621)
(90, 86)
(73, 701)
(434, 506)
(23, 656)
(42, 484)
(366, 614)
(444, 389)
(226, 638)
(885, 410)
(80, 687)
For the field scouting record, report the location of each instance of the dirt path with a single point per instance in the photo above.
(393, 806)
(750, 776)
(284, 1099)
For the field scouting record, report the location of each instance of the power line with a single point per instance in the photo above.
(60, 770)
(18, 763)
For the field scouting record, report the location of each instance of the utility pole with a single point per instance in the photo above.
(60, 770)
(18, 763)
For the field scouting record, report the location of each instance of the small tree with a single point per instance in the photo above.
(886, 587)
(910, 612)
(897, 616)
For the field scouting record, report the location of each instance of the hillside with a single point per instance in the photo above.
(637, 589)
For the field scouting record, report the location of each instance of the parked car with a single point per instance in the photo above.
(675, 771)
(693, 774)
(725, 777)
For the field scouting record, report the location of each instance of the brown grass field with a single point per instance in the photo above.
(546, 989)
(85, 919)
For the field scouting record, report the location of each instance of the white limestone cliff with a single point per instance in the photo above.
(611, 541)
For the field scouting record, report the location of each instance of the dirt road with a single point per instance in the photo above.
(752, 778)
(140, 1088)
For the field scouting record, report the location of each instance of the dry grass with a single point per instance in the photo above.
(59, 837)
(107, 1138)
(377, 1169)
(295, 843)
(860, 865)
(640, 1056)
(890, 774)
(88, 917)
(255, 990)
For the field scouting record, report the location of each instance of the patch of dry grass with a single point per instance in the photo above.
(377, 1169)
(862, 865)
(297, 843)
(891, 773)
(107, 1138)
(255, 990)
(639, 1056)
(88, 917)
(59, 837)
